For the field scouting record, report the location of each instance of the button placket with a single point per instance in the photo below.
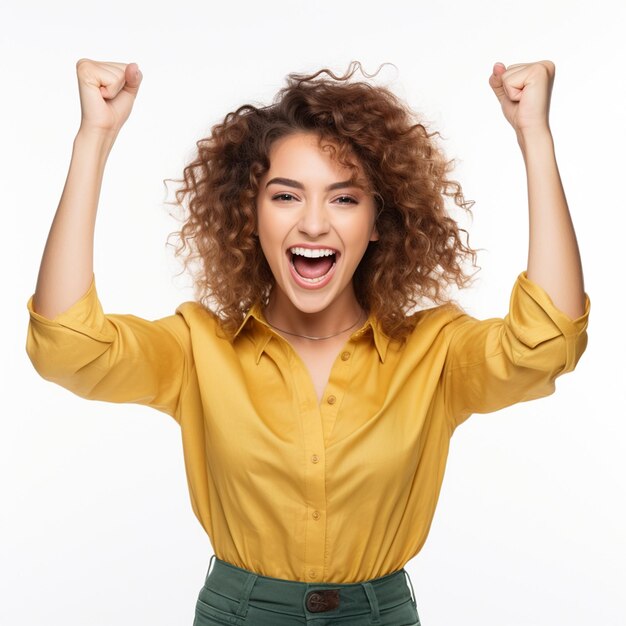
(314, 471)
(315, 497)
(335, 390)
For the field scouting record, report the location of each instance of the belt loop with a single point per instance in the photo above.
(245, 594)
(371, 596)
(412, 592)
(210, 563)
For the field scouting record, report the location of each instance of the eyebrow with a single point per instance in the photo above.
(294, 183)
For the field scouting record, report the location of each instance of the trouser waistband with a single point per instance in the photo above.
(302, 599)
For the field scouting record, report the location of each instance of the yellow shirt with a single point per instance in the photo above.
(339, 491)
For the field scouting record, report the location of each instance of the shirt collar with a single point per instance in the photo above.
(261, 332)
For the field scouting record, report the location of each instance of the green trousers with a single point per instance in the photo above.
(236, 597)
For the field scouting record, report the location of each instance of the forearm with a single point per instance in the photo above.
(553, 257)
(67, 263)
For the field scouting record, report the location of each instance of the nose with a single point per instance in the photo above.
(314, 219)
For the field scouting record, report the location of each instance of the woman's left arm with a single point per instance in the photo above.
(524, 90)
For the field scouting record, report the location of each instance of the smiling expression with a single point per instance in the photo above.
(307, 206)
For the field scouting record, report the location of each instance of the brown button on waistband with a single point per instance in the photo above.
(322, 600)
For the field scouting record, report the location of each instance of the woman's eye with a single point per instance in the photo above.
(347, 200)
(286, 197)
(282, 196)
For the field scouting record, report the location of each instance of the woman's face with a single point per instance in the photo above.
(305, 211)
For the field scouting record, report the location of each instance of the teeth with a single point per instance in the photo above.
(313, 280)
(312, 253)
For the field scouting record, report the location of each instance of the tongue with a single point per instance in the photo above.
(312, 268)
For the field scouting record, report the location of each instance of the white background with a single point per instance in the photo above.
(96, 526)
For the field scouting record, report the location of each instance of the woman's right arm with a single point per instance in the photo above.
(107, 92)
(70, 340)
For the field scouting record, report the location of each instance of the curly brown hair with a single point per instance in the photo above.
(419, 249)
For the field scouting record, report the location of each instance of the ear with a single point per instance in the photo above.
(379, 204)
(374, 236)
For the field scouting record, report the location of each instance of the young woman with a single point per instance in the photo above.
(316, 398)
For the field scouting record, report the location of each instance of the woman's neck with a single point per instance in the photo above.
(342, 316)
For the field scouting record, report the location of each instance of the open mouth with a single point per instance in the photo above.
(312, 266)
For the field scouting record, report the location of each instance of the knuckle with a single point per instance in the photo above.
(83, 65)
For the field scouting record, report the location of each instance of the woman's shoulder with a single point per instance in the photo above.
(437, 316)
(197, 315)
(429, 326)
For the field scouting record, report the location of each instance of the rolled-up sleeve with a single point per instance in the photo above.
(111, 357)
(494, 363)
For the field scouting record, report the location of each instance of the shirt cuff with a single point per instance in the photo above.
(85, 315)
(537, 319)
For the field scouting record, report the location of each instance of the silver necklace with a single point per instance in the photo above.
(282, 330)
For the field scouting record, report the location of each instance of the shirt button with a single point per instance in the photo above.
(331, 399)
(316, 515)
(312, 573)
(315, 459)
(345, 356)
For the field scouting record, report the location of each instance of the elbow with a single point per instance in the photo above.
(46, 363)
(59, 357)
(41, 359)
